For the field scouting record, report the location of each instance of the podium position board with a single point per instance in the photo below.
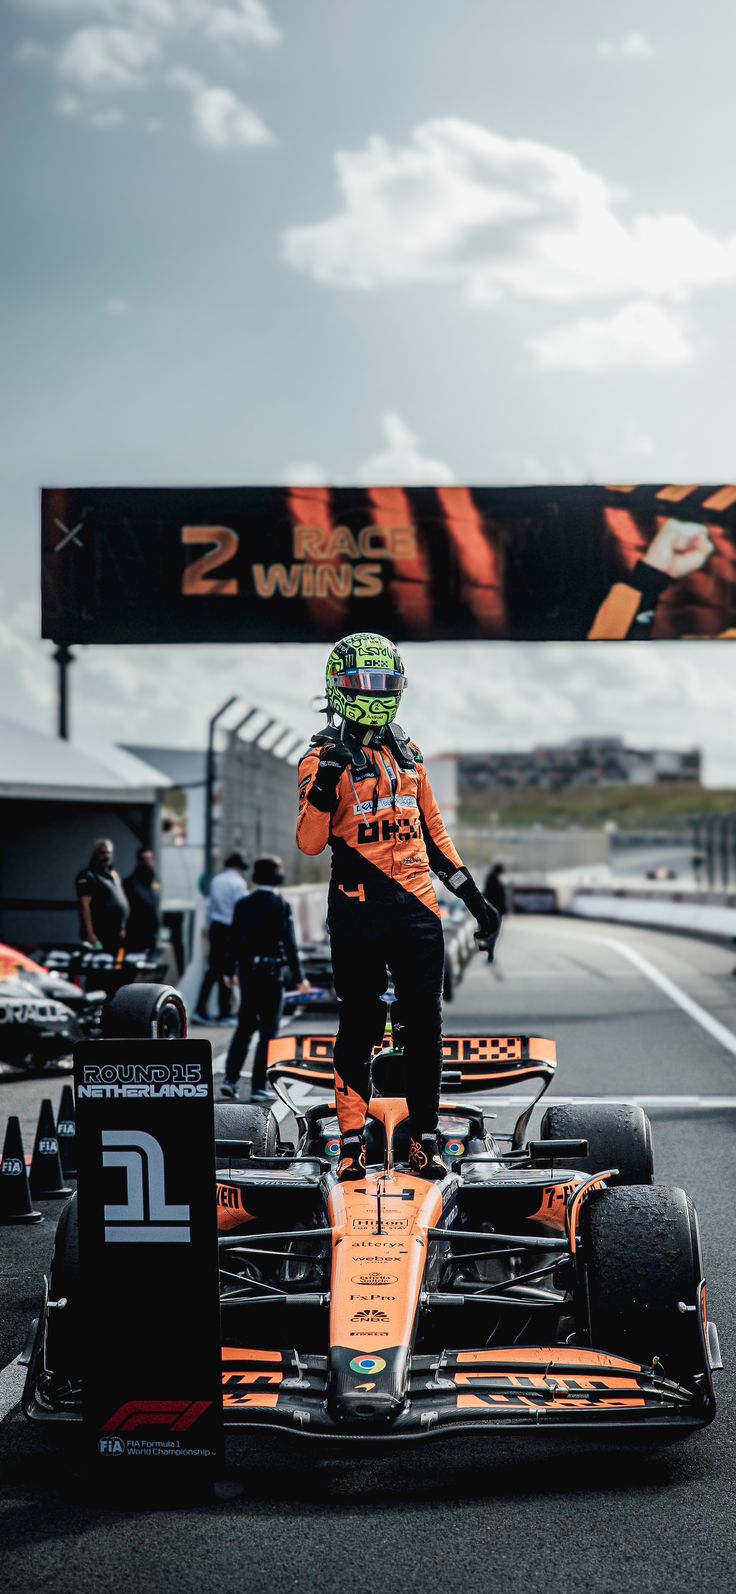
(152, 1395)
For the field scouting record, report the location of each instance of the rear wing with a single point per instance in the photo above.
(469, 1062)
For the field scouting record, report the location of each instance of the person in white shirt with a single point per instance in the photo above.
(226, 889)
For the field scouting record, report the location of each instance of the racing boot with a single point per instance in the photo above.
(424, 1159)
(352, 1157)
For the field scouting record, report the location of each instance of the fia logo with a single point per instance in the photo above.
(145, 1215)
(111, 1447)
(49, 1146)
(12, 1165)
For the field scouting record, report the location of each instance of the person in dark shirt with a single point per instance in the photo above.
(143, 891)
(264, 946)
(494, 889)
(103, 905)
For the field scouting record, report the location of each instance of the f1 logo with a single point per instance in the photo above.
(145, 1215)
(176, 1415)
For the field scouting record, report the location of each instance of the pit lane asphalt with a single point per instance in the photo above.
(487, 1511)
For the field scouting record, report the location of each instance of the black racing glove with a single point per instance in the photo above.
(334, 759)
(488, 920)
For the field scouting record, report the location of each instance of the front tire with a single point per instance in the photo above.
(640, 1264)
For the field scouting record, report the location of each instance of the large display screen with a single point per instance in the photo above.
(249, 564)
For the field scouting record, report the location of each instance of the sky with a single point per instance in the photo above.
(367, 240)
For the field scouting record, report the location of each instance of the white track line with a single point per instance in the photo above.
(12, 1379)
(711, 1025)
(683, 1104)
(698, 1014)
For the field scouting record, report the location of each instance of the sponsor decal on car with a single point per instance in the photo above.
(374, 1278)
(367, 1364)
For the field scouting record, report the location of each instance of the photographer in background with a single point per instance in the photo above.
(264, 947)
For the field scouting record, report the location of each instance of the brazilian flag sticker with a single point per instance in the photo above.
(367, 1364)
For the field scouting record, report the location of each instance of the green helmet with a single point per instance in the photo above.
(364, 679)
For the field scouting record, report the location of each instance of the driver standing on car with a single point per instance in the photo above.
(364, 791)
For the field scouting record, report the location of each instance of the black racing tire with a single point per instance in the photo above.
(448, 981)
(64, 1327)
(639, 1258)
(619, 1136)
(154, 1011)
(246, 1121)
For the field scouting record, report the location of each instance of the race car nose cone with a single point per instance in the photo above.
(369, 1388)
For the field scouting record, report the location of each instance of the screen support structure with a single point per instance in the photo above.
(63, 658)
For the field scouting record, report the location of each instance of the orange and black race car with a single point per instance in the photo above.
(541, 1283)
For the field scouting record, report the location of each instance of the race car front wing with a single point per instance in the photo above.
(512, 1387)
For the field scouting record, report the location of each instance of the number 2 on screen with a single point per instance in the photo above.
(224, 544)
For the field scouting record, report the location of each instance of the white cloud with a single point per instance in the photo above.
(305, 473)
(245, 22)
(240, 22)
(399, 463)
(626, 47)
(67, 105)
(106, 58)
(641, 335)
(125, 44)
(494, 216)
(221, 120)
(116, 307)
(402, 461)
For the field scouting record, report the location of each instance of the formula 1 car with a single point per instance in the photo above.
(42, 1015)
(541, 1283)
(46, 1008)
(316, 960)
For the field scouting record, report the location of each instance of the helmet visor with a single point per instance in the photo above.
(369, 681)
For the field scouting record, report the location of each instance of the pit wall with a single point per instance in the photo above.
(698, 912)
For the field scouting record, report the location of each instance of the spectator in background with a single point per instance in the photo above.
(143, 891)
(226, 889)
(264, 945)
(494, 889)
(103, 905)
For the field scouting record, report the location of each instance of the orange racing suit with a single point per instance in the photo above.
(386, 833)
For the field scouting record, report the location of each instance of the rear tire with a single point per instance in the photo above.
(640, 1257)
(618, 1135)
(153, 1011)
(243, 1121)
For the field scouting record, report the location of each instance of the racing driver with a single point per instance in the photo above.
(365, 792)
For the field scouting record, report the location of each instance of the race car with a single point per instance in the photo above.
(42, 1015)
(46, 1008)
(316, 959)
(541, 1283)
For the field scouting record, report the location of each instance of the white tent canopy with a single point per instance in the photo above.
(33, 765)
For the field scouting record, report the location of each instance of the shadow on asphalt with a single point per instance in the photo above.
(46, 1493)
